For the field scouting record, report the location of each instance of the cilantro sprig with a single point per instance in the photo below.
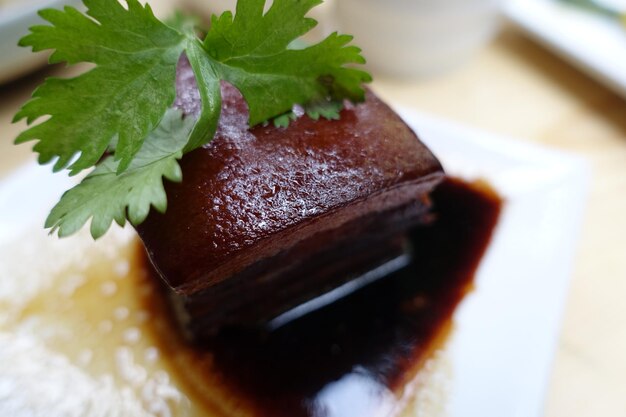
(106, 195)
(116, 118)
(599, 9)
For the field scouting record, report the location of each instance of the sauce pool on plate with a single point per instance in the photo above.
(90, 333)
(361, 355)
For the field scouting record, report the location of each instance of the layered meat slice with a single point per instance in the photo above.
(269, 218)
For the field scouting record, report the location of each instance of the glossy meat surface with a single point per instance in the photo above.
(254, 193)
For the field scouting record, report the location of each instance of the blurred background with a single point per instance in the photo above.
(548, 72)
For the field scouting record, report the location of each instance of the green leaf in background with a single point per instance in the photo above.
(595, 7)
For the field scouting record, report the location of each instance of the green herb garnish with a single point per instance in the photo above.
(597, 8)
(116, 118)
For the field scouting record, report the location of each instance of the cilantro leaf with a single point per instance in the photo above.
(208, 81)
(326, 109)
(284, 119)
(104, 196)
(251, 52)
(125, 95)
(116, 106)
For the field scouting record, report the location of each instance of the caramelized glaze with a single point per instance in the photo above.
(252, 193)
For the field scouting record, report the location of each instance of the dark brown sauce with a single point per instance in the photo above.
(349, 359)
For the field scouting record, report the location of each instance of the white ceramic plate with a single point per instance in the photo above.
(595, 44)
(508, 328)
(16, 16)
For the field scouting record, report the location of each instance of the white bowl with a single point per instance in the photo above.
(407, 38)
(16, 17)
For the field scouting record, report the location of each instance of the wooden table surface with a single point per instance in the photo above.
(516, 88)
